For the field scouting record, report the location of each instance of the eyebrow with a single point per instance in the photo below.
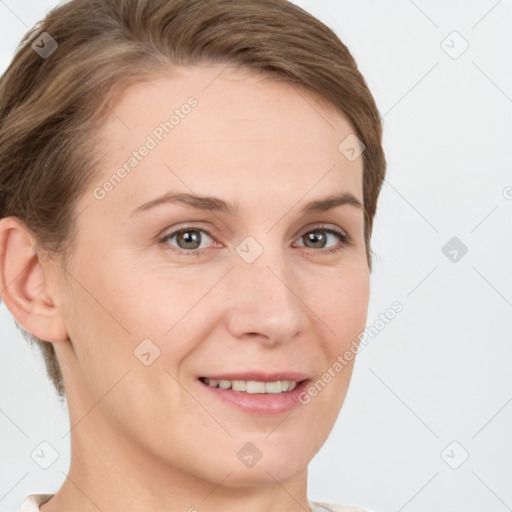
(209, 203)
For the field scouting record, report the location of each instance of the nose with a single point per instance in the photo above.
(266, 300)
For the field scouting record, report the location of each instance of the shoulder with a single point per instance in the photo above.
(33, 501)
(320, 506)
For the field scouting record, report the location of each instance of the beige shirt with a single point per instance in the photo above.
(32, 502)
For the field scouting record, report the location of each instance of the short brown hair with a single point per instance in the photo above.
(49, 107)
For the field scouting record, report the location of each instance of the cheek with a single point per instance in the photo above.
(342, 305)
(109, 311)
(342, 310)
(127, 312)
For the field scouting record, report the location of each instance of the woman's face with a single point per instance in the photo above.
(249, 286)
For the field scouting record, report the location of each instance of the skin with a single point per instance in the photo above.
(151, 438)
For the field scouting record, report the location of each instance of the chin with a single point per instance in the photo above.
(265, 474)
(260, 461)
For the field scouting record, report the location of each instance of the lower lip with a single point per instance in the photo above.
(260, 403)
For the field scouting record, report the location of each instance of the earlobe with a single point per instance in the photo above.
(24, 286)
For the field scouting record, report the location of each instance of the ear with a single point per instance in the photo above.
(25, 283)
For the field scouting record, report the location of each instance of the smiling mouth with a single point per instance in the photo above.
(252, 386)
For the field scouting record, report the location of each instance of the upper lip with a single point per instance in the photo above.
(260, 376)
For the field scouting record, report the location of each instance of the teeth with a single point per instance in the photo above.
(273, 387)
(224, 384)
(255, 387)
(252, 386)
(239, 385)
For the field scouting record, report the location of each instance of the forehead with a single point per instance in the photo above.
(231, 131)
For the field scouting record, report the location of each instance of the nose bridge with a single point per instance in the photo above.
(264, 293)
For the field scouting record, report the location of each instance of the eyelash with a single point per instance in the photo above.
(345, 240)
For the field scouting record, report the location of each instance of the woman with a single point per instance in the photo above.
(187, 197)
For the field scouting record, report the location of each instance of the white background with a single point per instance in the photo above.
(441, 370)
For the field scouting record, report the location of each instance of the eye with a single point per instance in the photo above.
(188, 239)
(318, 238)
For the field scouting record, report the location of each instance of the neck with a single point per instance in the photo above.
(110, 472)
